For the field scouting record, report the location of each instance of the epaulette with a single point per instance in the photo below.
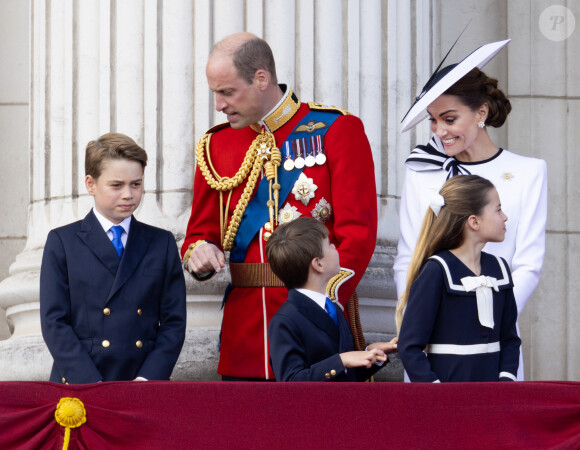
(219, 126)
(335, 282)
(320, 107)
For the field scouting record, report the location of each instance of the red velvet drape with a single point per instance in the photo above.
(183, 415)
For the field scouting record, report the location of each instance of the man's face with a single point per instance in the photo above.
(240, 101)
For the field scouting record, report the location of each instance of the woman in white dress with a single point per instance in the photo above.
(461, 102)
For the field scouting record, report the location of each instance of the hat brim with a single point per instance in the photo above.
(478, 58)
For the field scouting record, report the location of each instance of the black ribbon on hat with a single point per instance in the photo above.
(432, 157)
(437, 75)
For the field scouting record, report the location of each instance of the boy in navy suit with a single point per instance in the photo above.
(309, 339)
(112, 291)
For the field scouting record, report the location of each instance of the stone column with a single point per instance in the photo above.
(545, 90)
(99, 66)
(138, 67)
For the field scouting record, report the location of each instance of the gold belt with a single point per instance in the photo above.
(254, 275)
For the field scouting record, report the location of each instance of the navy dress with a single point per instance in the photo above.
(442, 338)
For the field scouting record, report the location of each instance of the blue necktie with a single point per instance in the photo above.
(331, 310)
(117, 231)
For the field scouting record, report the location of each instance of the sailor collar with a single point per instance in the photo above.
(278, 116)
(454, 270)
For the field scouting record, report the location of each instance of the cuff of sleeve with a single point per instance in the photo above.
(506, 376)
(192, 247)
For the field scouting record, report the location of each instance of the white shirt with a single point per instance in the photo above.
(316, 297)
(107, 224)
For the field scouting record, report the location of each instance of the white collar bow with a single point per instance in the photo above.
(482, 286)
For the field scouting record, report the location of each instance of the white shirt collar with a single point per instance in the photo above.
(317, 297)
(107, 224)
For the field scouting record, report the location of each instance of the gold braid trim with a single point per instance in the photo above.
(225, 183)
(264, 146)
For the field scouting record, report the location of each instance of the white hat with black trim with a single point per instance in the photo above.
(443, 79)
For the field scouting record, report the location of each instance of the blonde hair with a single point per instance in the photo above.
(464, 196)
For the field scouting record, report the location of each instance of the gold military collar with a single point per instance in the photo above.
(288, 105)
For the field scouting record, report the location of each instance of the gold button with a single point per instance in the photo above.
(139, 344)
(63, 379)
(139, 312)
(268, 227)
(333, 372)
(267, 235)
(106, 343)
(106, 311)
(327, 376)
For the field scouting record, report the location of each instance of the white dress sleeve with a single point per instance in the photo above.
(530, 242)
(410, 221)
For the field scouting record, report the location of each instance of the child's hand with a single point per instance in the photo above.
(387, 347)
(363, 358)
(207, 258)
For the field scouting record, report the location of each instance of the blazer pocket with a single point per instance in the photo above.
(153, 272)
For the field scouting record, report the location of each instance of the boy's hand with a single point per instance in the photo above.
(363, 358)
(207, 258)
(387, 347)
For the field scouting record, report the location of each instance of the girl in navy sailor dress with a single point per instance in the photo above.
(457, 317)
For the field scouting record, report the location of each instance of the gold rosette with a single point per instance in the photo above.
(70, 413)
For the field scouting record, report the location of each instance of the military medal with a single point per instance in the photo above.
(288, 214)
(299, 161)
(317, 145)
(309, 160)
(322, 210)
(303, 189)
(289, 163)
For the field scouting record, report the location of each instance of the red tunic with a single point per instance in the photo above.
(346, 181)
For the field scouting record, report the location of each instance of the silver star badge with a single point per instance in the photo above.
(322, 210)
(303, 189)
(288, 214)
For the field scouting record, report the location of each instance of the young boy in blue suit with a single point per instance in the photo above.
(310, 340)
(112, 291)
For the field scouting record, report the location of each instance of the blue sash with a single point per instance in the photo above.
(257, 213)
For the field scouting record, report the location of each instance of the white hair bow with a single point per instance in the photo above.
(436, 201)
(482, 286)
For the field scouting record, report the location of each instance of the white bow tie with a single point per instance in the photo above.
(482, 286)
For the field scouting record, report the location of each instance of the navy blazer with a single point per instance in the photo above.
(305, 343)
(107, 318)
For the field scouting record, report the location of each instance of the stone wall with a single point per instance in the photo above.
(72, 70)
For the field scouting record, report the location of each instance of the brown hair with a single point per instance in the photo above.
(111, 146)
(248, 57)
(464, 195)
(292, 247)
(475, 89)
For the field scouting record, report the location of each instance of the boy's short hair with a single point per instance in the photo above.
(292, 247)
(112, 146)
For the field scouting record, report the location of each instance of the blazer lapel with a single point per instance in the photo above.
(137, 244)
(314, 313)
(95, 238)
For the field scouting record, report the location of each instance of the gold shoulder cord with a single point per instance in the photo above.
(262, 153)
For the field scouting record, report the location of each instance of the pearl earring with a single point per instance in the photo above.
(481, 124)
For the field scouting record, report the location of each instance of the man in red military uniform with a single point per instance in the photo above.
(277, 159)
